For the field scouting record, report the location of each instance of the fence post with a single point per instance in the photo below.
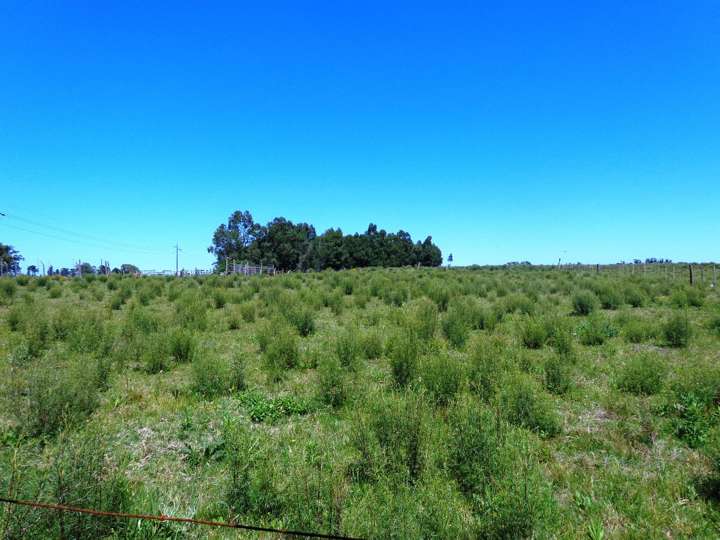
(691, 274)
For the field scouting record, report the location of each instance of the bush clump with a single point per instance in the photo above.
(677, 330)
(526, 405)
(533, 332)
(348, 348)
(303, 320)
(456, 326)
(58, 392)
(281, 353)
(595, 330)
(639, 331)
(584, 303)
(558, 377)
(388, 438)
(442, 376)
(403, 353)
(610, 297)
(643, 374)
(331, 381)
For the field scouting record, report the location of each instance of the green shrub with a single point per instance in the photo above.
(442, 376)
(233, 320)
(533, 332)
(595, 330)
(714, 324)
(212, 374)
(156, 354)
(643, 374)
(403, 353)
(557, 375)
(635, 296)
(563, 343)
(584, 303)
(247, 312)
(243, 457)
(423, 319)
(55, 292)
(692, 420)
(331, 379)
(191, 312)
(17, 316)
(79, 474)
(677, 330)
(7, 288)
(281, 353)
(639, 331)
(181, 345)
(610, 297)
(372, 344)
(348, 347)
(456, 327)
(521, 502)
(497, 471)
(488, 365)
(475, 441)
(262, 408)
(440, 295)
(526, 405)
(303, 320)
(388, 438)
(219, 299)
(237, 373)
(56, 393)
(685, 296)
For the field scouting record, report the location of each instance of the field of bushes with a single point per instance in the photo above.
(403, 403)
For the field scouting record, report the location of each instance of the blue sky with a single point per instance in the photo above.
(507, 131)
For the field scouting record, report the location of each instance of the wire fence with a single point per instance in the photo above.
(184, 520)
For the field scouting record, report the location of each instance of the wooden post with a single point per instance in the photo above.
(597, 268)
(691, 275)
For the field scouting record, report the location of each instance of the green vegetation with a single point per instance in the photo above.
(385, 402)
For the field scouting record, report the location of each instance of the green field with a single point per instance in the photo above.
(406, 403)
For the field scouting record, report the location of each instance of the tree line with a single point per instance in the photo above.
(296, 246)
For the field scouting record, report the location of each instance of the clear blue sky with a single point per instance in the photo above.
(506, 130)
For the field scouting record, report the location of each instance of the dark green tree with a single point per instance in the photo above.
(9, 259)
(232, 241)
(128, 268)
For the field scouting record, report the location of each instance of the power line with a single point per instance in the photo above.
(148, 517)
(74, 241)
(95, 239)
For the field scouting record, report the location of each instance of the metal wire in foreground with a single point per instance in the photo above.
(123, 515)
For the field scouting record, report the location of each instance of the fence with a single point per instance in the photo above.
(190, 521)
(249, 270)
(692, 273)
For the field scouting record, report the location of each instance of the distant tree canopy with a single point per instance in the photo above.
(9, 259)
(296, 246)
(128, 268)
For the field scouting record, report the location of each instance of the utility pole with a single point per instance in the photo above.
(2, 263)
(177, 251)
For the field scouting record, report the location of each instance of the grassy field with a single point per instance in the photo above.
(378, 403)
